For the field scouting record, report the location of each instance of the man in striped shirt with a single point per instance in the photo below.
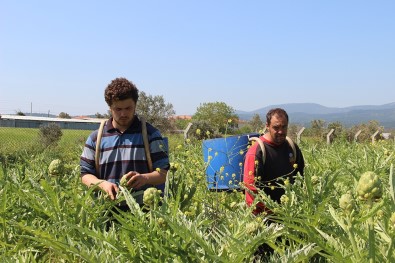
(122, 149)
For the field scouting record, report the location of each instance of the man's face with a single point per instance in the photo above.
(278, 128)
(123, 112)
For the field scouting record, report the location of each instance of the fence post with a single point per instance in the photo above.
(298, 134)
(374, 136)
(328, 136)
(187, 130)
(356, 135)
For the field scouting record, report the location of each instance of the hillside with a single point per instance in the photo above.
(304, 113)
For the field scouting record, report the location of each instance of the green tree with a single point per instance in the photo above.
(99, 115)
(256, 123)
(338, 129)
(103, 116)
(317, 128)
(217, 115)
(156, 111)
(180, 124)
(202, 130)
(20, 113)
(64, 115)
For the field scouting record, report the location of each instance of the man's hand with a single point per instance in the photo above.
(135, 180)
(109, 188)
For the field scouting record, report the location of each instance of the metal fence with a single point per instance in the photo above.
(28, 139)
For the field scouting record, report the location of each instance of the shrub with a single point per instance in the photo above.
(50, 135)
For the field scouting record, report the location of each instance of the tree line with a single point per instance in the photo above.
(217, 119)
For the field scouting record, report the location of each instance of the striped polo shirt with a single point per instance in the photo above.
(121, 153)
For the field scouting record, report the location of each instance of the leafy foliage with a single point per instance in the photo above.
(156, 111)
(50, 134)
(217, 115)
(64, 115)
(366, 131)
(57, 219)
(20, 113)
(256, 123)
(202, 130)
(103, 116)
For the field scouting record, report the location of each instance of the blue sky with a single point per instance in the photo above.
(58, 56)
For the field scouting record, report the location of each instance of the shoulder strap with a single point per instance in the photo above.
(260, 142)
(146, 143)
(98, 143)
(292, 144)
(289, 140)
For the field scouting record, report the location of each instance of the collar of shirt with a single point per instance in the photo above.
(136, 126)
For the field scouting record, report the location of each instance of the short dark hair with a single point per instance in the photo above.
(278, 111)
(120, 89)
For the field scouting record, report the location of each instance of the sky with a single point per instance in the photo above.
(59, 56)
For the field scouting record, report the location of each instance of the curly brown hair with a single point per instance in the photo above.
(120, 89)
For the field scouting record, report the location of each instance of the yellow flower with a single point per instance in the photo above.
(198, 131)
(284, 199)
(295, 165)
(286, 182)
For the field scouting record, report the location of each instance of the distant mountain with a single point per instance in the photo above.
(304, 113)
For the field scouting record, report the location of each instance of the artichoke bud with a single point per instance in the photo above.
(124, 181)
(55, 167)
(369, 186)
(315, 180)
(151, 196)
(347, 202)
(252, 227)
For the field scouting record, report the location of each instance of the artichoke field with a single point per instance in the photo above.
(342, 210)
